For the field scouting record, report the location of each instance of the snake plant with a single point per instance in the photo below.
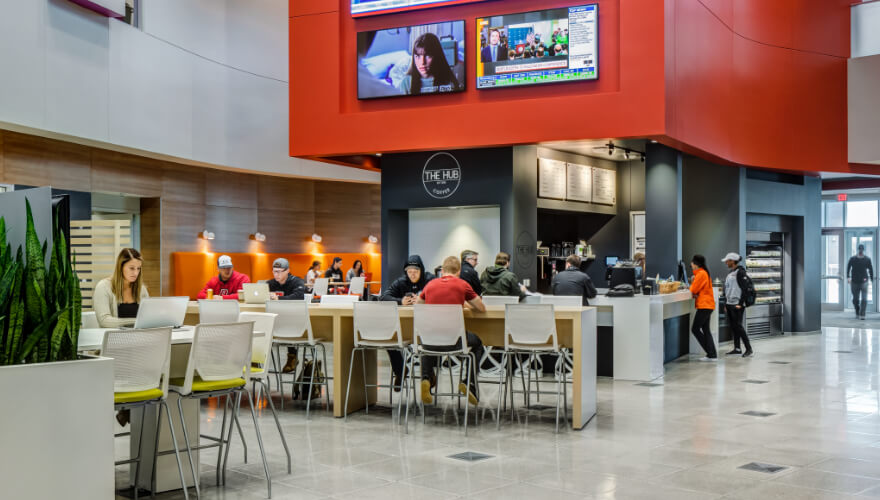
(40, 308)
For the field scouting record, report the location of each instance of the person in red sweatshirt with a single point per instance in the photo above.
(227, 283)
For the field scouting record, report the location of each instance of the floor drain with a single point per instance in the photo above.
(780, 362)
(649, 384)
(752, 413)
(470, 456)
(753, 381)
(760, 467)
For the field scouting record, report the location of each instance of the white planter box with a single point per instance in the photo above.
(56, 430)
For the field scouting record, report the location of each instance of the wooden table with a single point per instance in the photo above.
(576, 329)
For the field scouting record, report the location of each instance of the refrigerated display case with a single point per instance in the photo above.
(765, 265)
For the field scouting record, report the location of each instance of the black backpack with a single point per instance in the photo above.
(747, 286)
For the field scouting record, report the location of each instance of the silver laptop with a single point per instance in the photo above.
(256, 293)
(159, 312)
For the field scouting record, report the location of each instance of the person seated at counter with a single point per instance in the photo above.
(572, 281)
(290, 286)
(313, 273)
(500, 280)
(469, 260)
(227, 283)
(334, 272)
(405, 290)
(116, 299)
(356, 271)
(451, 289)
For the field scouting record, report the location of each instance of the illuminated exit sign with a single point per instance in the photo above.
(841, 197)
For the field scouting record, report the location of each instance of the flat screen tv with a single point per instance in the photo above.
(361, 8)
(411, 60)
(547, 46)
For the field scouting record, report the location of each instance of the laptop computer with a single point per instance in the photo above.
(256, 293)
(159, 312)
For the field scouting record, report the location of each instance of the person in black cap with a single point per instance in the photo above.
(859, 271)
(405, 291)
(291, 287)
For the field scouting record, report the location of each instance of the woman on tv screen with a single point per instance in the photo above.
(429, 71)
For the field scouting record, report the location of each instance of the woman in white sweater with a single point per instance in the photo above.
(116, 299)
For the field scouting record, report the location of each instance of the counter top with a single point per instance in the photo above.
(666, 298)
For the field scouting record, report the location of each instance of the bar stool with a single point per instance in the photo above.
(265, 323)
(141, 360)
(436, 325)
(293, 328)
(377, 328)
(219, 365)
(531, 329)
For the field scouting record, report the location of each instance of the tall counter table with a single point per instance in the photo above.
(576, 329)
(646, 331)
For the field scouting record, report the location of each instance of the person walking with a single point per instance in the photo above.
(734, 303)
(701, 288)
(858, 272)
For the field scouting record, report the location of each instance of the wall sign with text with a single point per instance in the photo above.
(441, 175)
(559, 180)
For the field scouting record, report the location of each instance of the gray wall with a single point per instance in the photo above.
(663, 210)
(14, 212)
(710, 212)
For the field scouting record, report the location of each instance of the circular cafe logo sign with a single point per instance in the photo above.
(441, 175)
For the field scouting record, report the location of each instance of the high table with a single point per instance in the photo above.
(576, 329)
(167, 476)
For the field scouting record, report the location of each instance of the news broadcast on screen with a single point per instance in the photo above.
(411, 60)
(374, 7)
(548, 46)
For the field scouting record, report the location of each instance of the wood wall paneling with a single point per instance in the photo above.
(151, 247)
(232, 227)
(286, 230)
(183, 183)
(114, 172)
(35, 161)
(231, 189)
(278, 193)
(181, 224)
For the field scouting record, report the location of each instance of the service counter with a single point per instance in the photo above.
(576, 330)
(638, 335)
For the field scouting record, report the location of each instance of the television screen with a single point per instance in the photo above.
(374, 7)
(556, 45)
(413, 60)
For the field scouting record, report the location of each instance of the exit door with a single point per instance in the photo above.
(852, 239)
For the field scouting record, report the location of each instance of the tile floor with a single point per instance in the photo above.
(686, 439)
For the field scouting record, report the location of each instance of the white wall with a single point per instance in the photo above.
(863, 82)
(865, 29)
(205, 81)
(437, 233)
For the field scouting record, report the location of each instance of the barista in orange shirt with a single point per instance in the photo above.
(701, 288)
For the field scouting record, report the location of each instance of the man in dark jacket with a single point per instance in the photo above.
(292, 287)
(499, 280)
(405, 291)
(469, 260)
(860, 272)
(572, 281)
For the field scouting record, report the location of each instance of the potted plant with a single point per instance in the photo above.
(56, 415)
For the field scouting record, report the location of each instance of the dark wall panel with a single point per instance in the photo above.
(663, 210)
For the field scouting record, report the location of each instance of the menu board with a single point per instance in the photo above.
(580, 183)
(604, 186)
(551, 178)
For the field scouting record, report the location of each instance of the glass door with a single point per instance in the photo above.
(833, 277)
(852, 239)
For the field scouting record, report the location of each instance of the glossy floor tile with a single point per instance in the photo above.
(684, 439)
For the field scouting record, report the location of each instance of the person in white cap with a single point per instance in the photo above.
(228, 281)
(734, 300)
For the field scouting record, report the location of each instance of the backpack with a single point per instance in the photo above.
(749, 295)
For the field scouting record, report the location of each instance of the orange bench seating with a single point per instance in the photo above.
(193, 269)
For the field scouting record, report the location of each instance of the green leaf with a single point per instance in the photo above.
(58, 335)
(4, 250)
(16, 318)
(6, 284)
(35, 301)
(36, 263)
(36, 335)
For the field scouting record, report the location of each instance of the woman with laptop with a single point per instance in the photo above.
(117, 298)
